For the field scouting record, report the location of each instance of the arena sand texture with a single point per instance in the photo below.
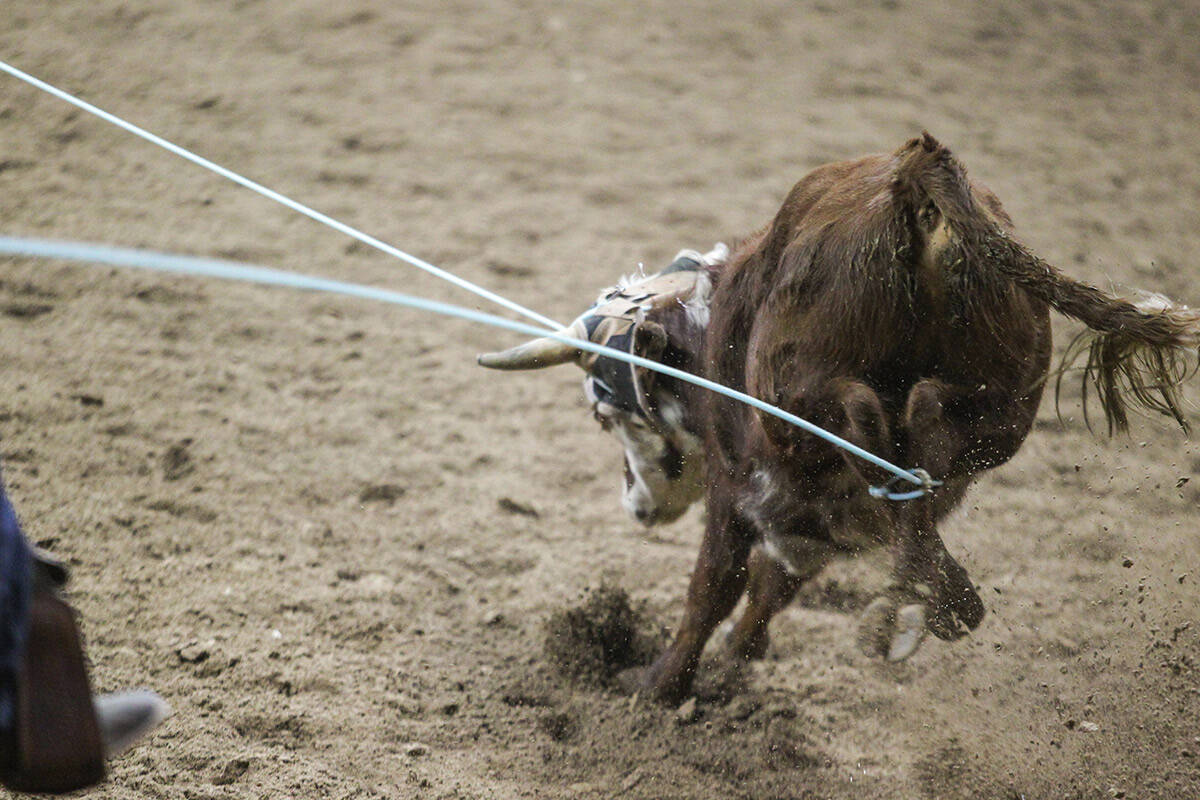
(334, 543)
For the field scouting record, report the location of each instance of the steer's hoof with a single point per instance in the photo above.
(907, 633)
(956, 612)
(635, 682)
(892, 630)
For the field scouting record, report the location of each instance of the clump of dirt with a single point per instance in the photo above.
(832, 595)
(595, 640)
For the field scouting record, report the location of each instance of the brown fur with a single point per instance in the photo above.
(888, 303)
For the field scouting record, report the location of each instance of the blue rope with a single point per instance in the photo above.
(276, 196)
(230, 270)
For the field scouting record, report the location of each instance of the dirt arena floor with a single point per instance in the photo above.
(334, 543)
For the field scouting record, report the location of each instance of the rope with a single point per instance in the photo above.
(230, 270)
(277, 197)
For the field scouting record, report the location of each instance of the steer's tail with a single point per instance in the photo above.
(1138, 354)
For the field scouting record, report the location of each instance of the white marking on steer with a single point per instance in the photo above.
(697, 306)
(650, 494)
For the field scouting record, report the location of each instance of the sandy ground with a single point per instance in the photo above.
(327, 537)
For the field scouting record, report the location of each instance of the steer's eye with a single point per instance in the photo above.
(671, 461)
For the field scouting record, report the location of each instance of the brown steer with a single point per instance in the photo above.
(888, 303)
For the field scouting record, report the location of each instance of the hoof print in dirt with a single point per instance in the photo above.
(600, 638)
(560, 726)
(382, 493)
(177, 461)
(788, 748)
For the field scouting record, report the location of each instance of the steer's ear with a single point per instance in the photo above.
(649, 341)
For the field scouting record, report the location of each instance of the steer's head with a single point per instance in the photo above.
(663, 318)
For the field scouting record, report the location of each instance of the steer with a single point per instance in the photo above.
(887, 302)
(662, 317)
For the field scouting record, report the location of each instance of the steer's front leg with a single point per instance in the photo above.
(716, 584)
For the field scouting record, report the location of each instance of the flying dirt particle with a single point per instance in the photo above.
(1127, 563)
(594, 641)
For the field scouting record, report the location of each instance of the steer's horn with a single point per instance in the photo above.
(544, 352)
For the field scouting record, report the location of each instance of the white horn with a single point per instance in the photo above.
(539, 353)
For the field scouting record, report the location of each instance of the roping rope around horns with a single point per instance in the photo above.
(162, 262)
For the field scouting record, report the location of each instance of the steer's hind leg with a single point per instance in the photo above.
(923, 561)
(954, 431)
(843, 406)
(931, 590)
(716, 584)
